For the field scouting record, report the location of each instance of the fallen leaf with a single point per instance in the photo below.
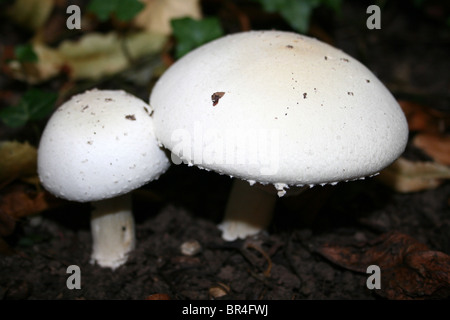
(385, 251)
(31, 14)
(410, 176)
(409, 269)
(7, 224)
(436, 146)
(423, 275)
(424, 119)
(5, 248)
(17, 160)
(218, 290)
(93, 56)
(156, 15)
(19, 200)
(158, 296)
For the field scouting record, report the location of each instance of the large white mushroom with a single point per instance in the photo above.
(97, 147)
(279, 110)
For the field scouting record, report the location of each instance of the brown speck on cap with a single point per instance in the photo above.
(304, 95)
(148, 112)
(130, 117)
(289, 46)
(108, 99)
(216, 96)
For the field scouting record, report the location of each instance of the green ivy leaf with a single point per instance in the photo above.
(124, 10)
(297, 13)
(190, 33)
(333, 4)
(25, 53)
(127, 10)
(34, 105)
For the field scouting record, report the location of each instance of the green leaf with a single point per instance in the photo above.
(124, 10)
(333, 4)
(14, 117)
(190, 33)
(271, 5)
(40, 103)
(127, 10)
(34, 105)
(102, 9)
(297, 13)
(25, 53)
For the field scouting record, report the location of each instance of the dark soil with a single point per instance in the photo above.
(409, 54)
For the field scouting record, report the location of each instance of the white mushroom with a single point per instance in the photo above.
(97, 147)
(275, 108)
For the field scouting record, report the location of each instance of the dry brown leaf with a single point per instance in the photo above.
(436, 146)
(386, 251)
(411, 176)
(423, 275)
(156, 15)
(17, 160)
(96, 55)
(93, 56)
(158, 296)
(409, 270)
(31, 14)
(7, 224)
(50, 63)
(19, 200)
(5, 248)
(425, 119)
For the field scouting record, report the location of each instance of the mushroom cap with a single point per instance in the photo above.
(277, 108)
(98, 145)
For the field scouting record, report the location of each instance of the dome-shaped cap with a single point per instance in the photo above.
(98, 145)
(280, 108)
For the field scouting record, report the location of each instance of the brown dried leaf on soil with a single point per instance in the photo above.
(410, 176)
(436, 146)
(424, 119)
(409, 269)
(17, 160)
(18, 201)
(157, 14)
(30, 14)
(429, 127)
(158, 296)
(93, 56)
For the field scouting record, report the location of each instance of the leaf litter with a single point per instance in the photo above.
(286, 263)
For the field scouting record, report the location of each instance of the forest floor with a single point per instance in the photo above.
(320, 242)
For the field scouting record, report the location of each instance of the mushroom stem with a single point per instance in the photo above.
(249, 210)
(113, 233)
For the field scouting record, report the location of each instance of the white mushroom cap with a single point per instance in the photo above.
(98, 145)
(280, 108)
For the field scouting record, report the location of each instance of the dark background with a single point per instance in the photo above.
(410, 55)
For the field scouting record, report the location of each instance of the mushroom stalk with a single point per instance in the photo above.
(249, 210)
(113, 232)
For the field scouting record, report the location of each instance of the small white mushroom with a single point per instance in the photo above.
(275, 108)
(98, 147)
